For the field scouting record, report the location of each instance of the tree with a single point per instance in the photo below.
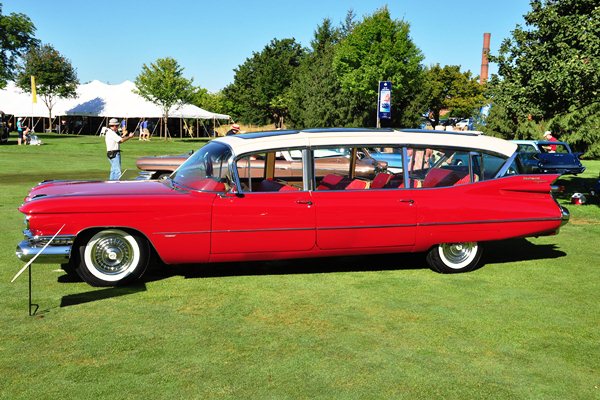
(163, 84)
(315, 97)
(55, 77)
(379, 48)
(551, 68)
(214, 102)
(446, 88)
(261, 83)
(16, 36)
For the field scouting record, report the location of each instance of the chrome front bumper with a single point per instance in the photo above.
(57, 252)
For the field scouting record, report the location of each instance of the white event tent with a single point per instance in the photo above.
(98, 99)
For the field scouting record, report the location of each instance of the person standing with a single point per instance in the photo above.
(123, 128)
(235, 129)
(144, 132)
(20, 130)
(548, 136)
(113, 148)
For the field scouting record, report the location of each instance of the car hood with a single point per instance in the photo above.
(97, 188)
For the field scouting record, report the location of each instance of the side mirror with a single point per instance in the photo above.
(232, 192)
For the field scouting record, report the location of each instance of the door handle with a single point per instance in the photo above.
(304, 202)
(409, 201)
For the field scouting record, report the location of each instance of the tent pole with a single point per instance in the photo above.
(100, 127)
(81, 127)
(154, 129)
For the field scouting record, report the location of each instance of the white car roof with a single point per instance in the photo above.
(257, 141)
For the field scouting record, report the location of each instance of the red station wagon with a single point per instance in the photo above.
(448, 194)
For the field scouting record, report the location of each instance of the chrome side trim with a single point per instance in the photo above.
(236, 231)
(491, 221)
(329, 228)
(326, 228)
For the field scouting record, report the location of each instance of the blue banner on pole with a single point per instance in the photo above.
(385, 100)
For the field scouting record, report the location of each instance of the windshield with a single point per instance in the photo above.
(210, 162)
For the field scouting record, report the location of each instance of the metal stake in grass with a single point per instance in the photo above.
(29, 263)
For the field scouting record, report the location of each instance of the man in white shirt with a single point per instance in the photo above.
(113, 151)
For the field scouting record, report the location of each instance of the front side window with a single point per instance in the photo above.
(271, 171)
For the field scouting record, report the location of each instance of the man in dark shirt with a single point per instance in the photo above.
(235, 129)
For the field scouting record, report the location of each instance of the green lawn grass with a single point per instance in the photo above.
(526, 325)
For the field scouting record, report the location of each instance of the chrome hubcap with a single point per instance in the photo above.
(112, 254)
(457, 253)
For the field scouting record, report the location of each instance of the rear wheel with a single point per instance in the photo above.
(113, 257)
(448, 258)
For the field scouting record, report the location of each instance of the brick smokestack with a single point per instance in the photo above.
(483, 76)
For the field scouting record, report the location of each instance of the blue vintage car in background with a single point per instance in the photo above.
(546, 157)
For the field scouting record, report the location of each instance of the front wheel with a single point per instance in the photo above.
(448, 258)
(113, 257)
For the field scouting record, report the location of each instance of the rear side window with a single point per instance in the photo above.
(443, 168)
(357, 168)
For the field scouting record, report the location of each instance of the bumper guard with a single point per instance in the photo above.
(57, 252)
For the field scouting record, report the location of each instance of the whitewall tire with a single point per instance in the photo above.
(454, 257)
(113, 257)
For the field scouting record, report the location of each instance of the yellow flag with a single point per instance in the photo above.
(33, 94)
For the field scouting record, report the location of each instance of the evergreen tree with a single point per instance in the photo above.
(261, 84)
(549, 71)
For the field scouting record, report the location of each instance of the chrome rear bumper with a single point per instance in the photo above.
(565, 215)
(57, 252)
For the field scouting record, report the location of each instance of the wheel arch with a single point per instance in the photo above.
(83, 235)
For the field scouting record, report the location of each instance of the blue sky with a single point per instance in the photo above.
(111, 40)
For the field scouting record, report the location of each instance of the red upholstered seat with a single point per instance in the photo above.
(269, 185)
(465, 178)
(396, 181)
(437, 177)
(381, 180)
(329, 182)
(357, 184)
(288, 188)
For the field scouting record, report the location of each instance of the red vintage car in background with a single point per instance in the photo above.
(229, 201)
